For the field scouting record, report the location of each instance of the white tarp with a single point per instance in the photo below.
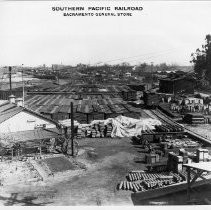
(127, 127)
(67, 122)
(122, 126)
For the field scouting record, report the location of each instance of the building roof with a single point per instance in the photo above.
(8, 114)
(37, 134)
(175, 78)
(8, 110)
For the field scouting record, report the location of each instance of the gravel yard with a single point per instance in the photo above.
(107, 162)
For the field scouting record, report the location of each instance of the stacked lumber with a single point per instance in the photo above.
(181, 143)
(135, 176)
(125, 185)
(102, 129)
(109, 130)
(151, 158)
(176, 177)
(194, 118)
(81, 133)
(141, 181)
(153, 184)
(97, 130)
(168, 128)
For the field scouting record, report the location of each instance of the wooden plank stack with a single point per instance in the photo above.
(97, 130)
(194, 118)
(141, 181)
(125, 185)
(81, 133)
(168, 128)
(109, 130)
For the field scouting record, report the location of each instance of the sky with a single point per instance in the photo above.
(165, 31)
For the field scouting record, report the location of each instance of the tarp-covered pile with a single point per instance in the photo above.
(127, 127)
(120, 126)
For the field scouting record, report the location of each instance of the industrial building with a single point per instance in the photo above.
(33, 126)
(177, 85)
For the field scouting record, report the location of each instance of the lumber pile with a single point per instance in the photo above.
(125, 185)
(194, 118)
(181, 143)
(141, 181)
(168, 128)
(97, 130)
(81, 133)
(151, 158)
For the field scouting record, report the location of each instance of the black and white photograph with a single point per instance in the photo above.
(105, 103)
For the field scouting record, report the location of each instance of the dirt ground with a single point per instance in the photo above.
(202, 129)
(107, 162)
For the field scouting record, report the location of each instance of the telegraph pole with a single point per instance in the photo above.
(72, 128)
(23, 86)
(10, 77)
(151, 74)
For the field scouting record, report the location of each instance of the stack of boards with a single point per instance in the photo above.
(194, 118)
(97, 130)
(141, 181)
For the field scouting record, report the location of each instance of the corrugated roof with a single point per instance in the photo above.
(8, 114)
(8, 110)
(6, 106)
(37, 134)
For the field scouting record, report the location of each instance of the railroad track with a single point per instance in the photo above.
(165, 119)
(150, 114)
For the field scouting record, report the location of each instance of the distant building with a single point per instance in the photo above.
(196, 101)
(151, 98)
(128, 74)
(177, 85)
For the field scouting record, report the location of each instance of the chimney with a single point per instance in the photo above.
(19, 102)
(12, 99)
(10, 77)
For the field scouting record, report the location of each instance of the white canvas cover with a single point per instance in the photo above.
(127, 127)
(122, 126)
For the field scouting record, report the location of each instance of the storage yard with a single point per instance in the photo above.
(124, 153)
(107, 162)
(115, 112)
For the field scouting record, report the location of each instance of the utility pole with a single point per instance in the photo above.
(151, 74)
(72, 128)
(23, 86)
(10, 77)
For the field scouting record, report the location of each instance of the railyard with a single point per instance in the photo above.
(126, 153)
(108, 112)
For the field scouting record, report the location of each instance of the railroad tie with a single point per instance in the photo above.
(131, 186)
(127, 183)
(130, 178)
(124, 185)
(135, 188)
(120, 185)
(133, 177)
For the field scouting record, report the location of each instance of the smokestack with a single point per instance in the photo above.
(19, 102)
(10, 77)
(12, 99)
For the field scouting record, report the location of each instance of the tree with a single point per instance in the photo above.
(202, 60)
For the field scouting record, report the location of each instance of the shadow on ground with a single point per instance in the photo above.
(26, 201)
